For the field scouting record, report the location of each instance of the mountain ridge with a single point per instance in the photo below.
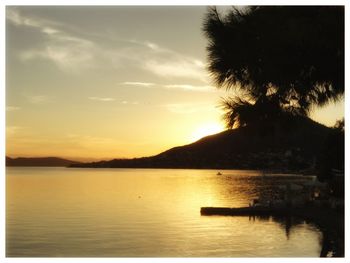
(292, 144)
(39, 161)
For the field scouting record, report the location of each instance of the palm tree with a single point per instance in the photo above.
(240, 112)
(282, 58)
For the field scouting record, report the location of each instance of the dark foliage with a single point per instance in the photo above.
(332, 159)
(292, 57)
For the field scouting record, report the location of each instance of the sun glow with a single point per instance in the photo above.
(205, 130)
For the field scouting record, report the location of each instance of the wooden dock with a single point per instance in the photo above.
(245, 211)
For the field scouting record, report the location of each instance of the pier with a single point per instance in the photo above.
(245, 211)
(307, 212)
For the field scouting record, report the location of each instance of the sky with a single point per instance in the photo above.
(93, 82)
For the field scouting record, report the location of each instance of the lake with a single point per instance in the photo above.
(65, 212)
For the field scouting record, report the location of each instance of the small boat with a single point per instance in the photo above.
(219, 173)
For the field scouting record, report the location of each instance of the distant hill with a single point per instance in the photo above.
(39, 161)
(291, 145)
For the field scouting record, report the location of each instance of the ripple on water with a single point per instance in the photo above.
(145, 212)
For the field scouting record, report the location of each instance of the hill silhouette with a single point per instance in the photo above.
(292, 144)
(39, 161)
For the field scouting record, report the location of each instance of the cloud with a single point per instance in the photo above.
(135, 83)
(190, 87)
(129, 102)
(147, 44)
(72, 54)
(14, 16)
(12, 108)
(101, 99)
(176, 66)
(69, 53)
(11, 130)
(160, 61)
(38, 99)
(153, 46)
(105, 99)
(168, 63)
(186, 87)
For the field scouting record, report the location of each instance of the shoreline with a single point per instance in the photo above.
(263, 171)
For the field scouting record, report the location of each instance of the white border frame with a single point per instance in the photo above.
(5, 3)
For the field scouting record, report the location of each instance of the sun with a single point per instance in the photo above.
(205, 130)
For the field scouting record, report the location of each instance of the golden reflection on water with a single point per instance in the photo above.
(140, 212)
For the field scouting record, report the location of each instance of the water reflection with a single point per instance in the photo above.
(235, 189)
(257, 185)
(330, 242)
(142, 213)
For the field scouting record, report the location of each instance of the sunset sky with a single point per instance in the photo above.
(110, 82)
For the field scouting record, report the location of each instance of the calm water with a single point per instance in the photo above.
(61, 212)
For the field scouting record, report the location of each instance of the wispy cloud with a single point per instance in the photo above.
(129, 102)
(13, 15)
(152, 46)
(11, 130)
(190, 87)
(69, 53)
(107, 99)
(73, 54)
(168, 63)
(135, 83)
(101, 99)
(176, 66)
(160, 61)
(12, 108)
(38, 99)
(186, 87)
